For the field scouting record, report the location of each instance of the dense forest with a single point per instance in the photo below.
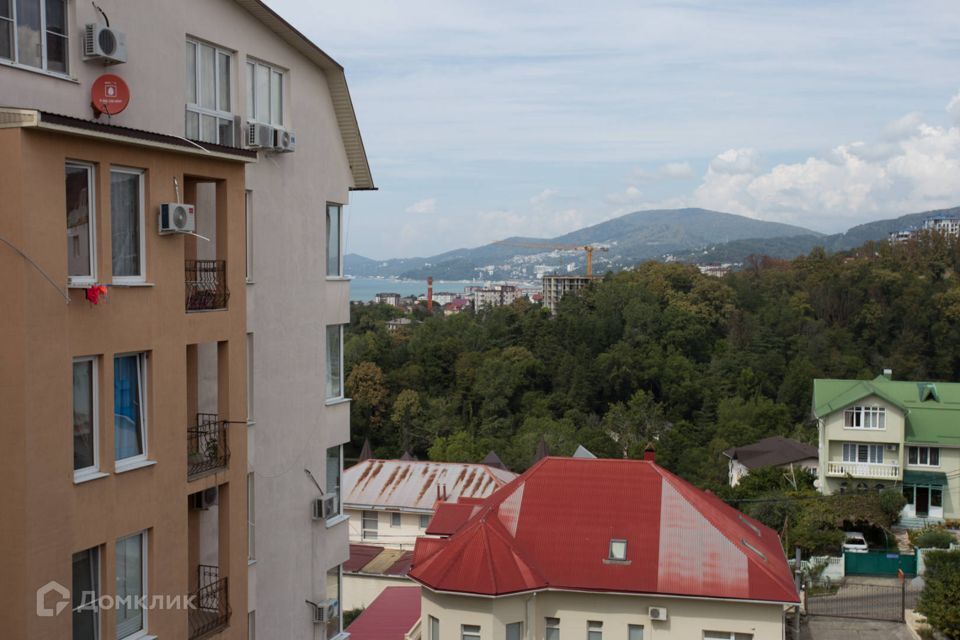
(661, 354)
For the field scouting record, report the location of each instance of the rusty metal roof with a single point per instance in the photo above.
(416, 485)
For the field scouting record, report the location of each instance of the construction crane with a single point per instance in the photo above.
(589, 249)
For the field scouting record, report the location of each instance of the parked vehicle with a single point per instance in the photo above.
(854, 542)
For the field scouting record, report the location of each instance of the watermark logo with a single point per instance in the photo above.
(61, 602)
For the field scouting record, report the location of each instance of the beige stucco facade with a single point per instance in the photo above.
(403, 536)
(359, 590)
(687, 618)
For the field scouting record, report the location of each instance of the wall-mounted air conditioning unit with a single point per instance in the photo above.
(177, 218)
(203, 500)
(104, 44)
(325, 508)
(324, 611)
(286, 141)
(260, 136)
(891, 447)
(658, 613)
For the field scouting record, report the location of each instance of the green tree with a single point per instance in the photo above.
(941, 592)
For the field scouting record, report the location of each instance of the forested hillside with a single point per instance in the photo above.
(661, 353)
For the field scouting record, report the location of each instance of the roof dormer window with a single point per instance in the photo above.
(928, 391)
(618, 550)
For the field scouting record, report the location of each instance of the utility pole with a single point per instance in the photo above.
(796, 578)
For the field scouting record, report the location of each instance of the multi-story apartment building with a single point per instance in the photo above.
(885, 433)
(217, 353)
(603, 550)
(557, 286)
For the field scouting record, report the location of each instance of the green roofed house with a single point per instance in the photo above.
(885, 433)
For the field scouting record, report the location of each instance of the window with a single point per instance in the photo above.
(395, 520)
(251, 518)
(926, 456)
(34, 33)
(865, 418)
(126, 225)
(334, 361)
(618, 549)
(81, 243)
(369, 523)
(251, 625)
(434, 628)
(209, 116)
(936, 497)
(515, 631)
(552, 626)
(594, 630)
(853, 452)
(248, 221)
(726, 635)
(469, 632)
(129, 399)
(264, 93)
(85, 419)
(634, 632)
(333, 593)
(424, 521)
(86, 594)
(334, 463)
(334, 240)
(131, 585)
(908, 493)
(250, 379)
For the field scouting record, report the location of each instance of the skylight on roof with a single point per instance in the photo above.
(754, 549)
(752, 526)
(618, 549)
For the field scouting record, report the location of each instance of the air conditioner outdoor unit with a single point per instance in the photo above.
(104, 44)
(177, 218)
(260, 136)
(325, 508)
(286, 141)
(324, 611)
(658, 613)
(203, 500)
(891, 447)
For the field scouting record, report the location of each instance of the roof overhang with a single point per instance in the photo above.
(386, 507)
(339, 92)
(13, 118)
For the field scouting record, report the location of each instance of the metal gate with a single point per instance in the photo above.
(879, 563)
(856, 600)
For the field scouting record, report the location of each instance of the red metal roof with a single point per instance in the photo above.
(360, 556)
(366, 558)
(389, 617)
(449, 517)
(552, 527)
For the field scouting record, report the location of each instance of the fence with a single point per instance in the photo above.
(857, 600)
(206, 282)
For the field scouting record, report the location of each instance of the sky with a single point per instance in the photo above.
(486, 119)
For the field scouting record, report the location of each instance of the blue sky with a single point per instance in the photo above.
(488, 119)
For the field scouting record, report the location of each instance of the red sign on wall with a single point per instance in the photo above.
(109, 94)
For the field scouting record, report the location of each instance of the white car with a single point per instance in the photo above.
(854, 542)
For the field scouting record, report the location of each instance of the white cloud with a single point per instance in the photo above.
(953, 108)
(629, 195)
(676, 170)
(428, 205)
(543, 196)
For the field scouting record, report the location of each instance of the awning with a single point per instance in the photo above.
(933, 478)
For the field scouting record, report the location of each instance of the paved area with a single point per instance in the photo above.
(824, 628)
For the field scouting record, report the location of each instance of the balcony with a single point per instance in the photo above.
(206, 282)
(880, 471)
(211, 610)
(207, 448)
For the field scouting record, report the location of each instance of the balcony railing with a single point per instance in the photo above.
(207, 447)
(211, 610)
(206, 282)
(863, 470)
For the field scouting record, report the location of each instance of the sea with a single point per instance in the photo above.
(364, 289)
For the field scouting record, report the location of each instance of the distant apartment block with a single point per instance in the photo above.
(948, 225)
(557, 286)
(495, 295)
(392, 299)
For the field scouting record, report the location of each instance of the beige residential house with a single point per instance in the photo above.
(202, 397)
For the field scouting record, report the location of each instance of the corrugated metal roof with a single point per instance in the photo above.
(366, 558)
(556, 533)
(389, 617)
(413, 484)
(772, 451)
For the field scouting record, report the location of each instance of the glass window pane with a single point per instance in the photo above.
(29, 43)
(334, 362)
(125, 223)
(333, 240)
(935, 456)
(191, 73)
(262, 94)
(434, 629)
(333, 593)
(79, 254)
(924, 452)
(129, 585)
(276, 98)
(395, 519)
(424, 521)
(193, 125)
(223, 90)
(56, 53)
(634, 632)
(333, 474)
(127, 407)
(251, 90)
(225, 132)
(83, 421)
(515, 631)
(936, 497)
(6, 37)
(56, 16)
(208, 129)
(912, 455)
(86, 581)
(208, 93)
(6, 9)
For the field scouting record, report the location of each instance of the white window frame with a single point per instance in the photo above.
(551, 624)
(396, 519)
(123, 464)
(632, 627)
(86, 281)
(205, 111)
(920, 450)
(726, 635)
(338, 392)
(872, 417)
(615, 545)
(594, 630)
(424, 520)
(15, 41)
(248, 225)
(365, 531)
(145, 582)
(251, 518)
(339, 488)
(253, 63)
(339, 274)
(251, 380)
(470, 632)
(143, 229)
(80, 474)
(98, 591)
(434, 628)
(874, 453)
(509, 625)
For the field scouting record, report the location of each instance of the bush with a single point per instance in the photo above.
(941, 592)
(892, 503)
(931, 537)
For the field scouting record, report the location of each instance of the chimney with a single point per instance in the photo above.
(650, 454)
(430, 294)
(888, 374)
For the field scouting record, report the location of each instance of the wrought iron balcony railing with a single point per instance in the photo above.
(211, 610)
(206, 282)
(207, 447)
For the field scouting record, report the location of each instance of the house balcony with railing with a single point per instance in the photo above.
(211, 610)
(206, 285)
(874, 470)
(207, 446)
